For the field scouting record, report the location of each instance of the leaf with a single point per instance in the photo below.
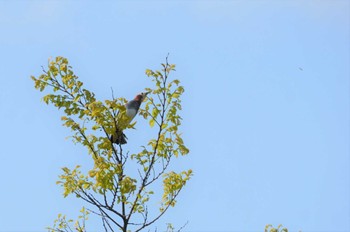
(151, 122)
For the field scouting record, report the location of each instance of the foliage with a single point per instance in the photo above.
(62, 224)
(119, 195)
(280, 228)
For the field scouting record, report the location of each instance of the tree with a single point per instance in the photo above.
(119, 186)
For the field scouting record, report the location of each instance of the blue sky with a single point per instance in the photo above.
(266, 107)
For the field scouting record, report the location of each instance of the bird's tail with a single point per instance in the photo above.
(119, 137)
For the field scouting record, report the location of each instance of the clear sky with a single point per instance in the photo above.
(266, 107)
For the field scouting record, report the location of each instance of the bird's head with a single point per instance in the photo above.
(140, 97)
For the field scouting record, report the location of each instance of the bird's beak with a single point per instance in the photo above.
(144, 95)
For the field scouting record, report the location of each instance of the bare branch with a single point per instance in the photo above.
(182, 227)
(161, 214)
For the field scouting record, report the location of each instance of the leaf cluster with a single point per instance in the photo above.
(62, 224)
(280, 228)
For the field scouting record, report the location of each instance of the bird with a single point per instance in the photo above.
(131, 109)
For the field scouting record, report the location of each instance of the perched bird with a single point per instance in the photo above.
(131, 109)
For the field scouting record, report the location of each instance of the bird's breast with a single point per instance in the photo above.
(131, 112)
